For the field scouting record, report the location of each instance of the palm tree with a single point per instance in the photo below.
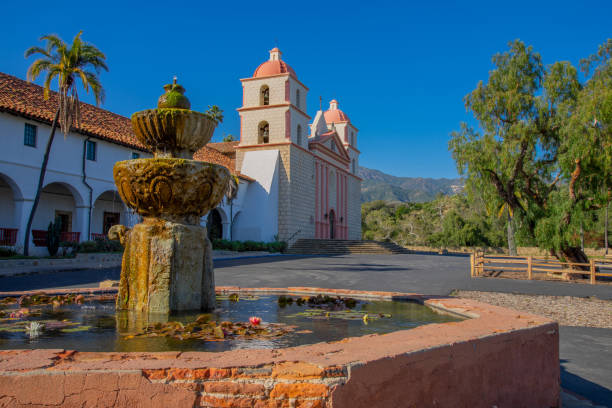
(215, 114)
(230, 195)
(67, 63)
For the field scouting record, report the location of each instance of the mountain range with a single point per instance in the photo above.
(377, 185)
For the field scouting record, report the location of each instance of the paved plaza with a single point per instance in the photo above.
(586, 353)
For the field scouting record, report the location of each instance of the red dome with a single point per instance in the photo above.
(274, 66)
(335, 115)
(269, 68)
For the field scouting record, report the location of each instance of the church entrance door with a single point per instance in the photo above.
(332, 224)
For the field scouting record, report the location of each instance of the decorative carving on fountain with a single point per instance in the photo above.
(167, 263)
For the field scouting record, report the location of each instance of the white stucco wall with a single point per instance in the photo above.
(258, 219)
(20, 167)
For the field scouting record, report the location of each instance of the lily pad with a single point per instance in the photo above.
(75, 329)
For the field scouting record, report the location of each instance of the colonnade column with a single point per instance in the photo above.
(23, 207)
(81, 222)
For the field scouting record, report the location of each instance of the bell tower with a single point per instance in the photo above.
(273, 105)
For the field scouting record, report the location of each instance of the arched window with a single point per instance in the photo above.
(297, 98)
(299, 135)
(264, 133)
(354, 167)
(264, 95)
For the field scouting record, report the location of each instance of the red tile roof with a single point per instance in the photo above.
(25, 99)
(227, 148)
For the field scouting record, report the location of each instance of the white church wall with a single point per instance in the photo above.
(258, 219)
(21, 164)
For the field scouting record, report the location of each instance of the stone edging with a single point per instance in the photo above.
(498, 357)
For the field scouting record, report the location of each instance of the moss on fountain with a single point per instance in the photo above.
(167, 262)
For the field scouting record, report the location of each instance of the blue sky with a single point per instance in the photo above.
(400, 70)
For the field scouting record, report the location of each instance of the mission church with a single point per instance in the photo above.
(297, 177)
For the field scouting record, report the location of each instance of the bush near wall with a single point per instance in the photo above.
(100, 245)
(242, 246)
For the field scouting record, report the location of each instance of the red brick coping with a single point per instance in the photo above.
(498, 357)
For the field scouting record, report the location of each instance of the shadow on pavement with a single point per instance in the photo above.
(594, 392)
(83, 278)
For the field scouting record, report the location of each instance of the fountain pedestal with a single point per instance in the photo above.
(167, 266)
(167, 263)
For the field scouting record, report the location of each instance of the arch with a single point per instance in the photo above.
(79, 201)
(298, 99)
(235, 226)
(108, 210)
(264, 95)
(214, 225)
(18, 195)
(58, 200)
(9, 193)
(263, 130)
(299, 134)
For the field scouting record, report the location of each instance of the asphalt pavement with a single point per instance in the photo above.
(585, 353)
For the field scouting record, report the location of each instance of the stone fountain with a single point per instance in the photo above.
(167, 262)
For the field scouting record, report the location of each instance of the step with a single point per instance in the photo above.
(332, 247)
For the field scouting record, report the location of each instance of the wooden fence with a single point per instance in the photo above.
(482, 264)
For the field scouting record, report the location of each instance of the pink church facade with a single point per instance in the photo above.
(305, 169)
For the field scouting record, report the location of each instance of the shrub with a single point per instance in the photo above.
(241, 246)
(53, 236)
(7, 252)
(100, 245)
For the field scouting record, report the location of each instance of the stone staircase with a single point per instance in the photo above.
(340, 247)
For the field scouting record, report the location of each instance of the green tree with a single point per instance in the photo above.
(215, 114)
(229, 138)
(69, 64)
(585, 160)
(514, 160)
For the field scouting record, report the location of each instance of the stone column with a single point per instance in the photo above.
(82, 221)
(22, 212)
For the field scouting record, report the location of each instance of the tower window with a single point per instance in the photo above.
(352, 139)
(29, 135)
(299, 135)
(354, 167)
(297, 98)
(264, 133)
(264, 96)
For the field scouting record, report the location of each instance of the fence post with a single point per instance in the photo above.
(529, 267)
(472, 256)
(592, 262)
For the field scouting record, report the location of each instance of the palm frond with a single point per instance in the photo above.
(37, 50)
(37, 67)
(46, 87)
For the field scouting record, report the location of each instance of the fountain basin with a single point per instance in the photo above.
(171, 186)
(495, 357)
(173, 132)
